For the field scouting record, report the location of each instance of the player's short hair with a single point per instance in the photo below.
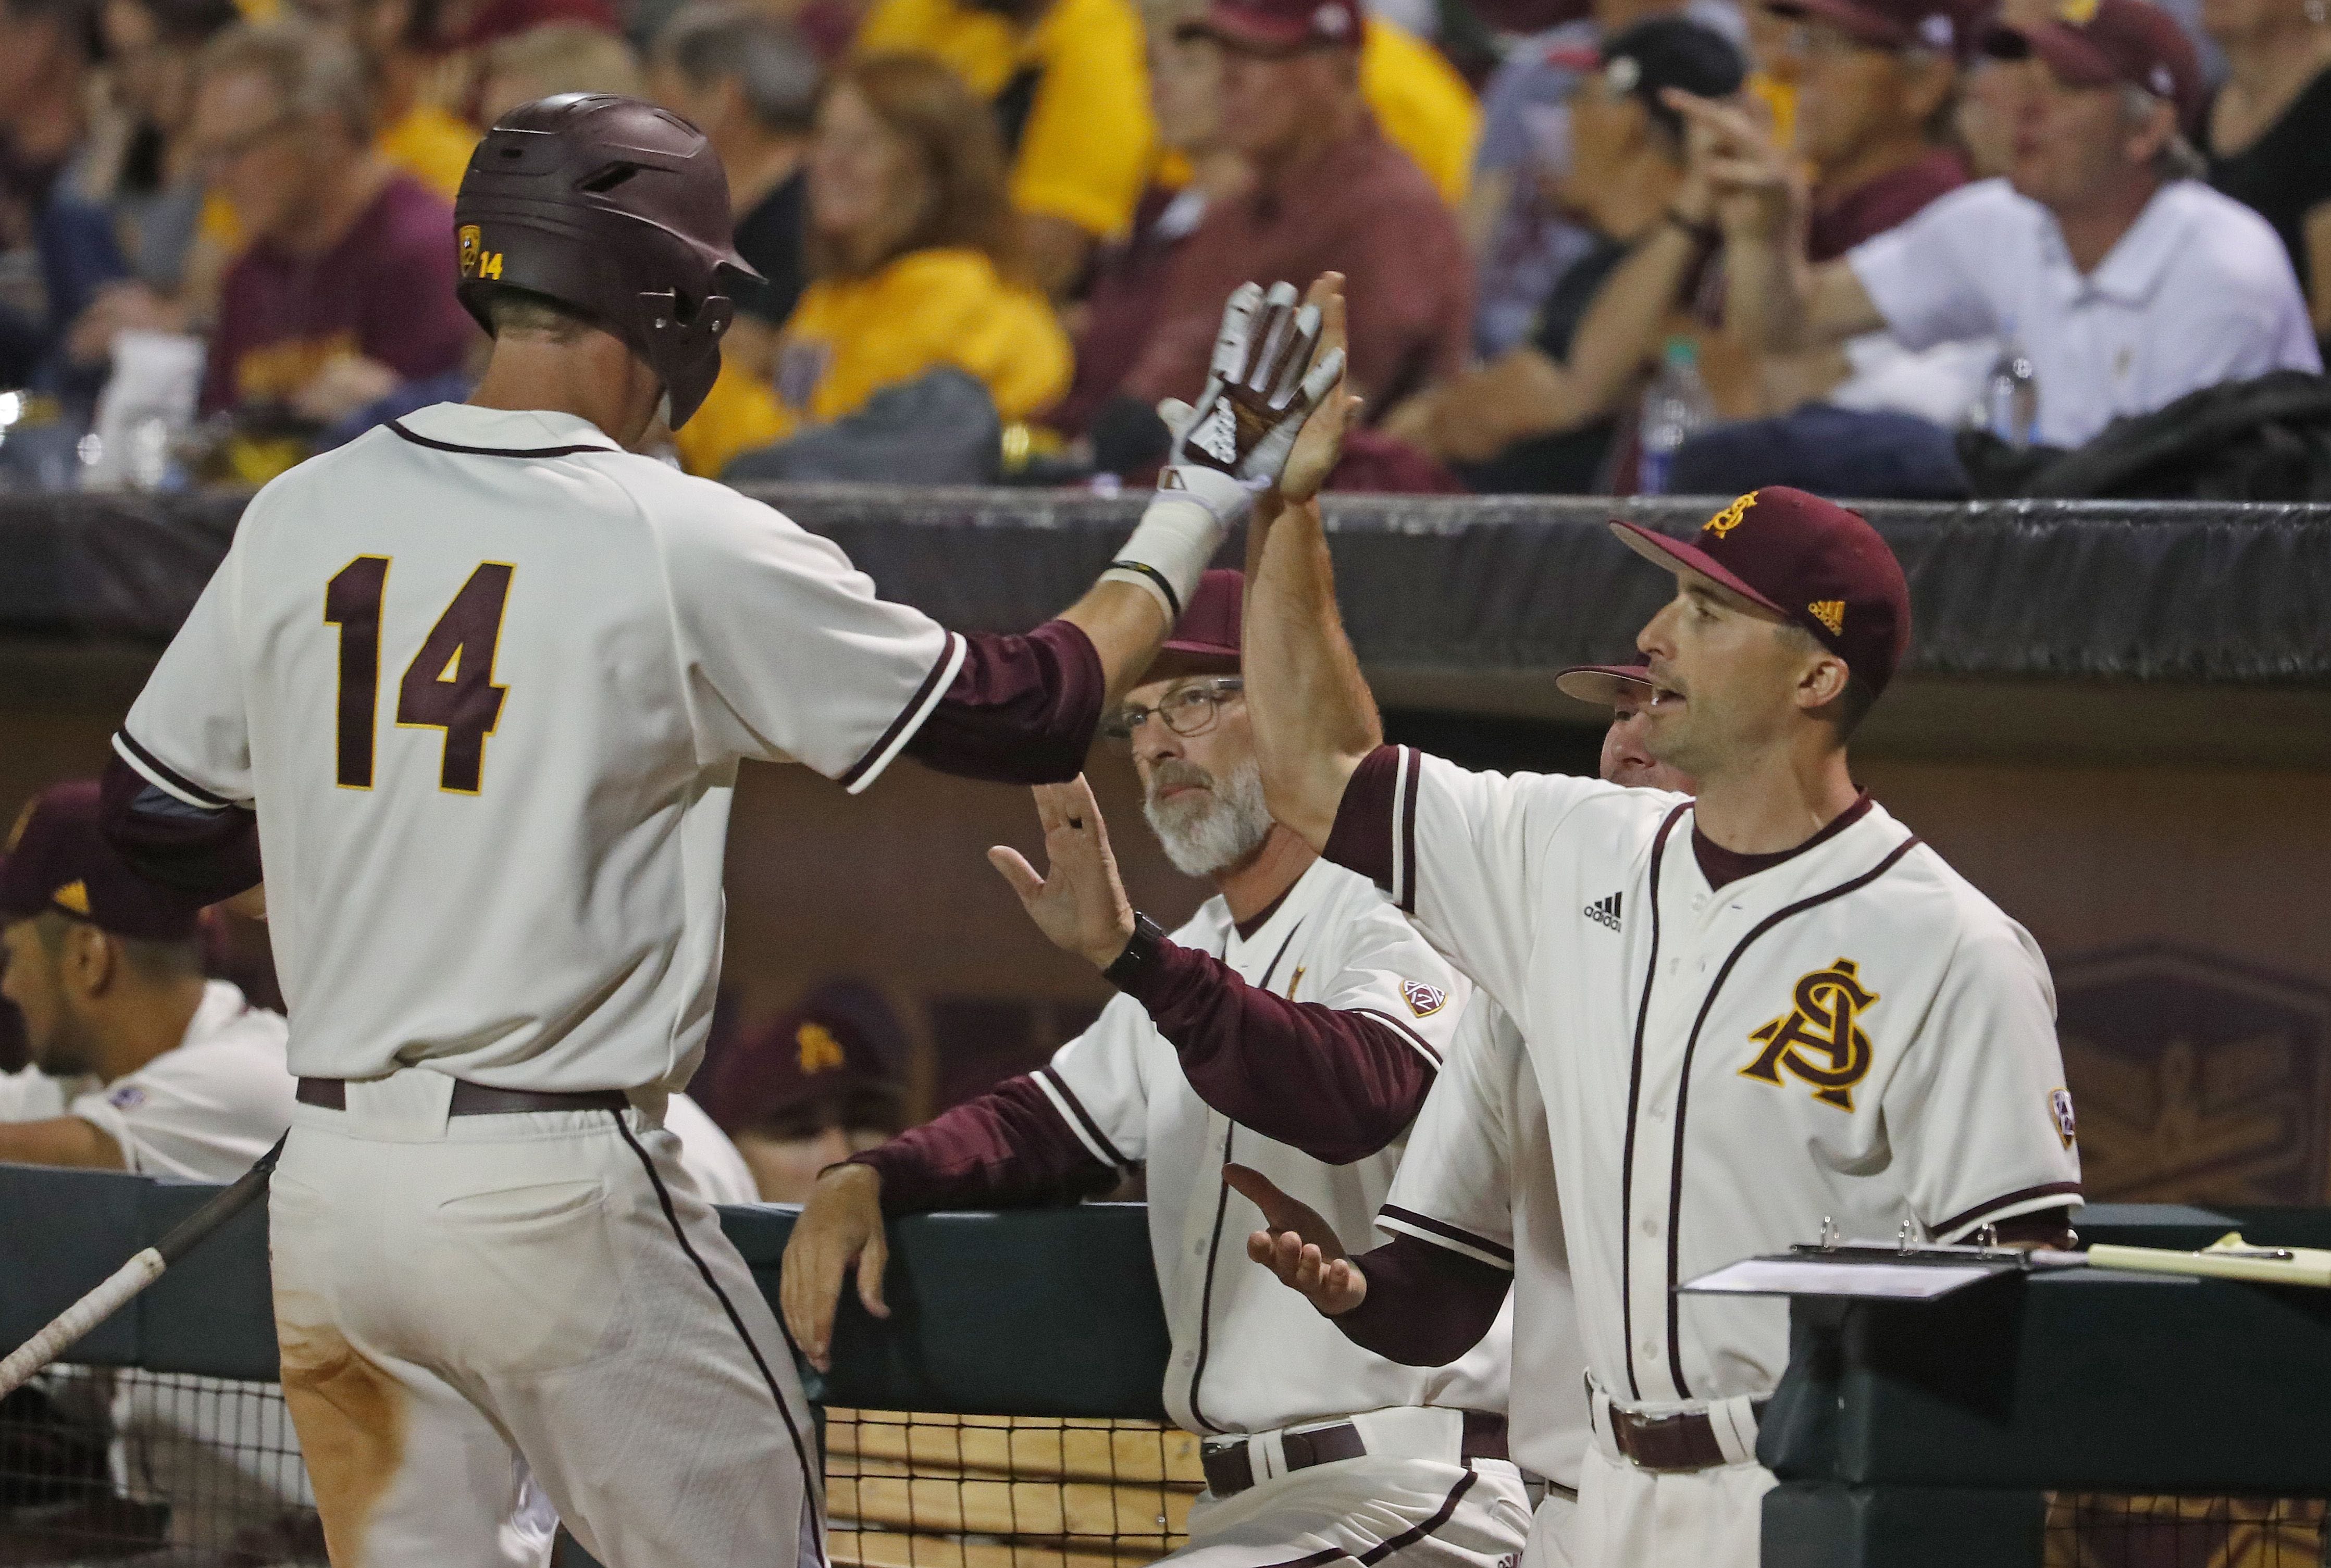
(315, 71)
(767, 57)
(154, 963)
(1850, 707)
(523, 313)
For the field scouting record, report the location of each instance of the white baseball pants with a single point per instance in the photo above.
(1386, 1506)
(456, 1293)
(1636, 1518)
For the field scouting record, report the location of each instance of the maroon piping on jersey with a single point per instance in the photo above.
(1022, 709)
(1446, 1231)
(1683, 1083)
(1635, 1099)
(399, 429)
(1962, 1219)
(913, 709)
(1007, 1148)
(204, 852)
(1362, 838)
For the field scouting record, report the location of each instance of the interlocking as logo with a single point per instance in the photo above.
(820, 1051)
(1825, 1023)
(1725, 521)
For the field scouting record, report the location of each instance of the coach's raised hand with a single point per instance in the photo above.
(1299, 1246)
(1079, 903)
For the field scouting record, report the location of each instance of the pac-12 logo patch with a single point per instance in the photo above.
(1423, 1001)
(1820, 1039)
(127, 1097)
(2059, 1110)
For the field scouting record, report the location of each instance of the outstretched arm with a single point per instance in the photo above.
(1314, 717)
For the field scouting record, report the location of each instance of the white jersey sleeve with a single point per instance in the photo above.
(188, 732)
(1978, 1116)
(1454, 1189)
(1392, 974)
(208, 1108)
(712, 1161)
(1098, 1083)
(1924, 276)
(29, 1095)
(786, 652)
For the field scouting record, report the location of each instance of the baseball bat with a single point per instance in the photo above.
(122, 1285)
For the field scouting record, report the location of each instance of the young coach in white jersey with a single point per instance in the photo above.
(1293, 1026)
(1746, 1013)
(1477, 1178)
(479, 682)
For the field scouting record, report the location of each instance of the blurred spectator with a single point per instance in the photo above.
(2125, 283)
(1422, 104)
(913, 258)
(1522, 238)
(1543, 416)
(749, 82)
(1200, 168)
(347, 288)
(554, 57)
(1329, 193)
(141, 172)
(1876, 93)
(2268, 134)
(65, 243)
(822, 1083)
(471, 25)
(1065, 79)
(399, 42)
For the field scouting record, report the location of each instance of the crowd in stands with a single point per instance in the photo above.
(1593, 246)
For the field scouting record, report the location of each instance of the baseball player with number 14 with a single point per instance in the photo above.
(1746, 1013)
(497, 920)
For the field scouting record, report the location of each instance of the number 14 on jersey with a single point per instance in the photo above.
(449, 685)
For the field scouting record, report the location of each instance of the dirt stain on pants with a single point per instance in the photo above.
(350, 1415)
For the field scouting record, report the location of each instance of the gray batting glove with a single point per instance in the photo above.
(1263, 384)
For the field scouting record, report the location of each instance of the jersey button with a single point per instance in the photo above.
(1650, 1226)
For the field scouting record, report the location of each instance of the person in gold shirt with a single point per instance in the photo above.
(913, 261)
(398, 42)
(1070, 90)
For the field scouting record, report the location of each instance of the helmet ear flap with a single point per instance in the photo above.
(683, 344)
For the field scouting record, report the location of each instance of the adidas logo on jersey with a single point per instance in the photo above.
(1604, 911)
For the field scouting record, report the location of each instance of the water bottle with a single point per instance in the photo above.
(1675, 407)
(2011, 396)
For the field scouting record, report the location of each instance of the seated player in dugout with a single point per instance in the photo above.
(1294, 1024)
(501, 959)
(821, 1084)
(139, 1063)
(1748, 1012)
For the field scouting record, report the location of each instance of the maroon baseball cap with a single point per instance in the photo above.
(1815, 564)
(1603, 684)
(1952, 27)
(841, 1048)
(58, 860)
(1278, 24)
(2099, 42)
(1205, 639)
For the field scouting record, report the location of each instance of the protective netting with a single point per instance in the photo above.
(2108, 1530)
(160, 1470)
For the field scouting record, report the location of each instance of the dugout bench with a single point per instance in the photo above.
(2085, 1420)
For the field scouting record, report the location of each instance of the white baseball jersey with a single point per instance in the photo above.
(1249, 1354)
(202, 1110)
(487, 679)
(1478, 1179)
(1853, 1034)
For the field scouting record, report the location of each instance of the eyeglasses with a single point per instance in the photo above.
(1186, 710)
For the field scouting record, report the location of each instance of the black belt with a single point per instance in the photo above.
(1671, 1445)
(475, 1099)
(1230, 1464)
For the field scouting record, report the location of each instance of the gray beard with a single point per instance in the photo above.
(1218, 829)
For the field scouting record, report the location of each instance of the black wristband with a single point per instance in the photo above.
(1139, 952)
(1707, 236)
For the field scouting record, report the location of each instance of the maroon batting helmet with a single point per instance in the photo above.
(616, 209)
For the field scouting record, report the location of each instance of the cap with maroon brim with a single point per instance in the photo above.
(1603, 684)
(1205, 639)
(1804, 559)
(2100, 43)
(57, 862)
(1277, 24)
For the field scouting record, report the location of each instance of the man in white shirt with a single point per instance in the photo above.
(2125, 281)
(139, 1063)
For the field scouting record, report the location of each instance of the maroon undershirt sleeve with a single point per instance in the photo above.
(1426, 1306)
(1022, 709)
(1361, 840)
(203, 853)
(1334, 1084)
(1007, 1149)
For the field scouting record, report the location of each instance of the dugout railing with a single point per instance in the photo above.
(1007, 1416)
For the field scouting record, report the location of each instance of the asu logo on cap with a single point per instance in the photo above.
(1725, 521)
(820, 1051)
(2078, 13)
(476, 261)
(72, 897)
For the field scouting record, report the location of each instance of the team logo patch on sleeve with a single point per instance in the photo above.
(1820, 1040)
(127, 1097)
(1423, 1001)
(2059, 1110)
